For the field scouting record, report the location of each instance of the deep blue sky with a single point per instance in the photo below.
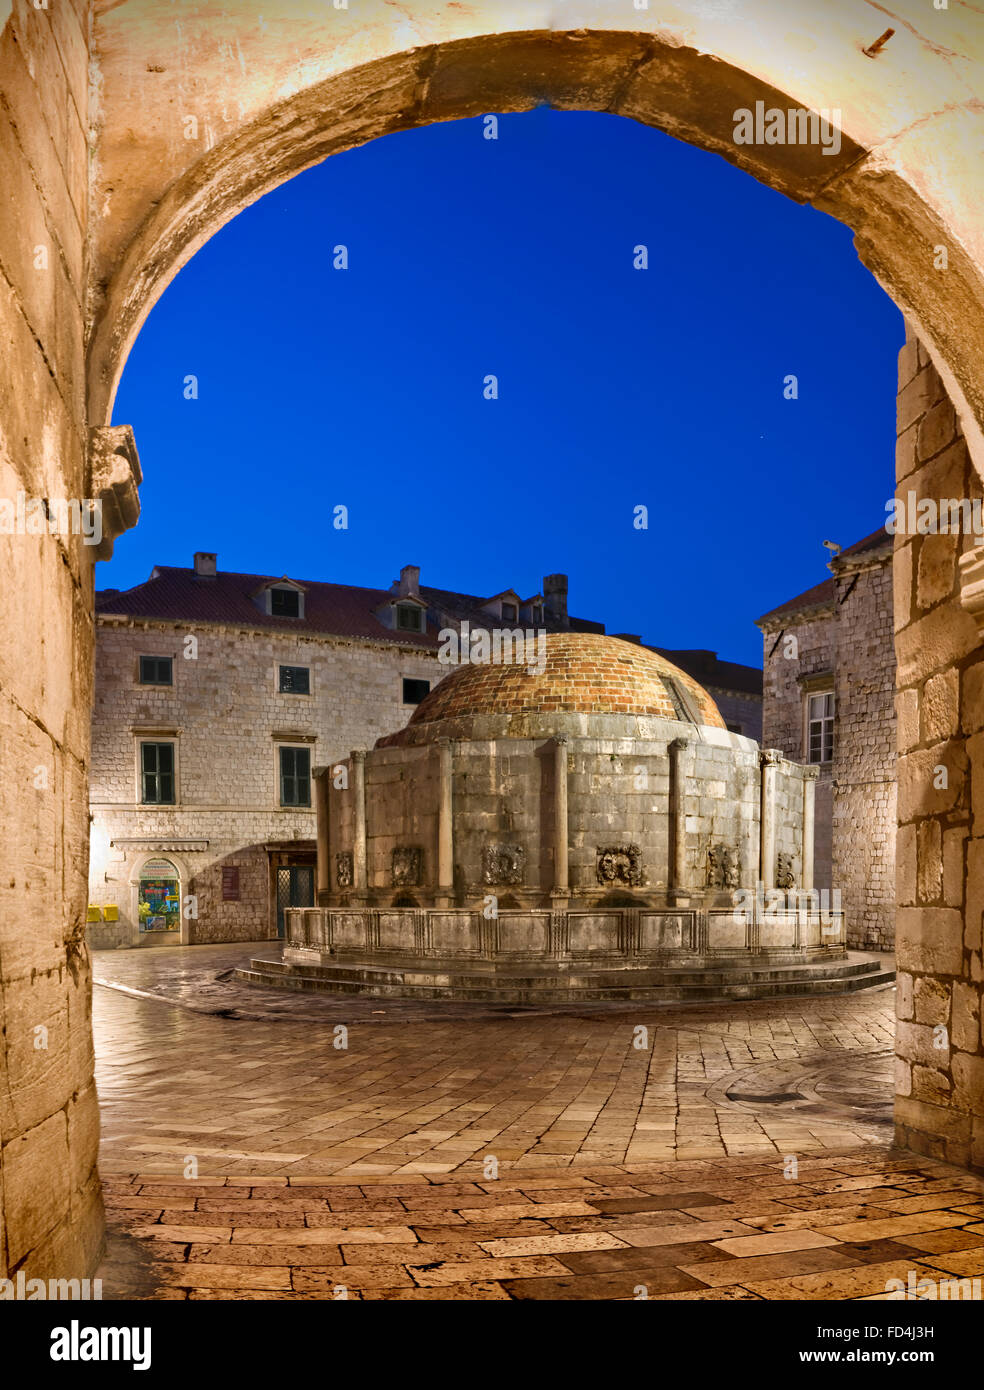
(616, 386)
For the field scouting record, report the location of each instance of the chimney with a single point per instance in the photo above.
(410, 581)
(205, 562)
(555, 598)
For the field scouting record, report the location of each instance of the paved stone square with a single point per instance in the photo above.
(364, 1168)
(712, 1229)
(433, 1087)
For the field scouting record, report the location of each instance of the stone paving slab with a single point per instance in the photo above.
(363, 1171)
(711, 1255)
(414, 1094)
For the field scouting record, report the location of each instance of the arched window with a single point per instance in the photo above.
(159, 896)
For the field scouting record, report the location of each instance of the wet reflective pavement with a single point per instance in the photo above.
(254, 1081)
(259, 1145)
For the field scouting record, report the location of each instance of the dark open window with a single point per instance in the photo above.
(508, 612)
(157, 774)
(295, 680)
(295, 777)
(156, 670)
(285, 603)
(409, 618)
(414, 691)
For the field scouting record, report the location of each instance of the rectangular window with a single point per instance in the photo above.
(537, 613)
(295, 680)
(508, 612)
(230, 883)
(285, 603)
(157, 774)
(408, 618)
(156, 670)
(295, 777)
(414, 691)
(820, 728)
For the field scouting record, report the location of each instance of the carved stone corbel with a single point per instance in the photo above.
(972, 585)
(114, 476)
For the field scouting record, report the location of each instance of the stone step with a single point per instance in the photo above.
(603, 972)
(426, 980)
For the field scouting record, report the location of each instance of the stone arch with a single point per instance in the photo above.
(903, 177)
(876, 181)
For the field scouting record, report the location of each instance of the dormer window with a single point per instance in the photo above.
(531, 610)
(409, 618)
(509, 613)
(285, 603)
(280, 598)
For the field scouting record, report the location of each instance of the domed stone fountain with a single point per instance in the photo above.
(586, 828)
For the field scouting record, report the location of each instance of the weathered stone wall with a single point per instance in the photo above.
(849, 635)
(50, 1207)
(814, 651)
(231, 720)
(864, 765)
(940, 848)
(401, 811)
(618, 794)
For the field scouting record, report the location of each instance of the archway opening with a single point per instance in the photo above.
(737, 422)
(158, 898)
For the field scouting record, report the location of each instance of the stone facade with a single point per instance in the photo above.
(227, 720)
(864, 767)
(837, 638)
(809, 632)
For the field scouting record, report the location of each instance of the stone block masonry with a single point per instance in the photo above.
(940, 869)
(837, 639)
(864, 763)
(50, 1202)
(812, 633)
(227, 719)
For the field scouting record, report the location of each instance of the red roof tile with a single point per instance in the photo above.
(172, 594)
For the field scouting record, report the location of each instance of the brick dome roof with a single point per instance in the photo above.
(586, 673)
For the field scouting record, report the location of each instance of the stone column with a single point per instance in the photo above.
(810, 775)
(445, 833)
(359, 847)
(678, 751)
(770, 759)
(561, 883)
(321, 789)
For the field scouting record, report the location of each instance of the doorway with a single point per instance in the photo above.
(295, 888)
(159, 898)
